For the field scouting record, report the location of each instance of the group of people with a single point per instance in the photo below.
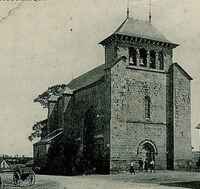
(144, 165)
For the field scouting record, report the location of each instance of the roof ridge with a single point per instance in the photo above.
(121, 25)
(82, 75)
(87, 78)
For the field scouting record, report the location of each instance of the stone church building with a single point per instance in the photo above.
(135, 106)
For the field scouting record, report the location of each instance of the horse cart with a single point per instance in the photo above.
(19, 176)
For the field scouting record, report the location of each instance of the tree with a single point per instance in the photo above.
(36, 131)
(55, 90)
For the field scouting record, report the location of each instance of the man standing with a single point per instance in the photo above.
(140, 165)
(146, 165)
(132, 170)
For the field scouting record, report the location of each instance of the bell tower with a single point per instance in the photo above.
(141, 43)
(145, 96)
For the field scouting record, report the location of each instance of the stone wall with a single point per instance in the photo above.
(95, 96)
(40, 151)
(129, 126)
(182, 119)
(53, 116)
(170, 120)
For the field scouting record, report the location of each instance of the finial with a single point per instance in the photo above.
(128, 13)
(128, 9)
(150, 16)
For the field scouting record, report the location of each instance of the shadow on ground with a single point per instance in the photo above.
(190, 180)
(193, 184)
(40, 185)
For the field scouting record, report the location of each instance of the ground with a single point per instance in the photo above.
(158, 180)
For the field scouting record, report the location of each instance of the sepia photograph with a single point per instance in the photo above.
(100, 94)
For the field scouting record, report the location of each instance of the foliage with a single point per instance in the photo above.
(60, 159)
(44, 97)
(37, 130)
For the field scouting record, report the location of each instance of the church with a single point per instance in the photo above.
(135, 106)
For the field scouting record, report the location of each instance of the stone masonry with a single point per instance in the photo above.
(137, 104)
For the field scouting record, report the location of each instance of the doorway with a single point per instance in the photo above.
(147, 150)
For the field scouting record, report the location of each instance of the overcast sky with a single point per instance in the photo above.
(49, 42)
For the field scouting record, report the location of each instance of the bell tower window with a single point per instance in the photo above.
(143, 57)
(152, 59)
(147, 102)
(132, 56)
(161, 60)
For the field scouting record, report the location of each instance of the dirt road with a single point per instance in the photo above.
(121, 181)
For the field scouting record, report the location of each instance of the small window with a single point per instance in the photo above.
(161, 60)
(143, 57)
(152, 59)
(147, 107)
(132, 56)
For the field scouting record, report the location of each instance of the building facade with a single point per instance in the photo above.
(135, 106)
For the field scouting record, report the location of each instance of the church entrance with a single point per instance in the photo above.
(147, 151)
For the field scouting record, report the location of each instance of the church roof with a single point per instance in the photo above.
(140, 29)
(182, 71)
(91, 76)
(87, 78)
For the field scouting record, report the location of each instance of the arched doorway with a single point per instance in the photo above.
(147, 150)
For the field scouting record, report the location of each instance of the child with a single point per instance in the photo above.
(152, 165)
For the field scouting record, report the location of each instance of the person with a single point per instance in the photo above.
(132, 170)
(146, 165)
(17, 174)
(140, 165)
(152, 166)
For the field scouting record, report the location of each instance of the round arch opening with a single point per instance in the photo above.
(147, 150)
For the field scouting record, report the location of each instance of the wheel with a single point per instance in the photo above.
(1, 183)
(16, 178)
(31, 178)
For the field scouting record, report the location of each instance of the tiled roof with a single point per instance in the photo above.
(88, 78)
(141, 29)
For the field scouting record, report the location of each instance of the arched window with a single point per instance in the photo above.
(132, 56)
(161, 60)
(152, 59)
(143, 57)
(147, 107)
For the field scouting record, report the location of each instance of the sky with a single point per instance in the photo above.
(48, 42)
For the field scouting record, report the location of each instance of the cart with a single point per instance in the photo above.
(19, 176)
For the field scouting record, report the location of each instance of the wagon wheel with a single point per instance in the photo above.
(31, 178)
(16, 178)
(1, 183)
